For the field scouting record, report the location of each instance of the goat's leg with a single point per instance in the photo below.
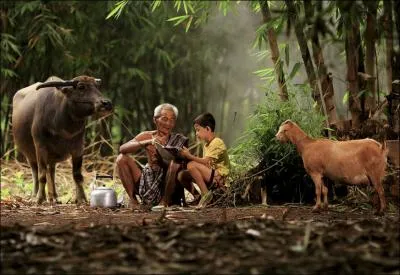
(264, 195)
(377, 184)
(78, 179)
(317, 179)
(325, 194)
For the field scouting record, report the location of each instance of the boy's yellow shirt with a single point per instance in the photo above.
(217, 152)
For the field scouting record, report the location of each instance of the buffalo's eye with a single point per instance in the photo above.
(81, 86)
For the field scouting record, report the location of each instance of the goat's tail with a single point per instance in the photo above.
(384, 148)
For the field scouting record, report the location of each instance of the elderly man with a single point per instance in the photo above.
(149, 182)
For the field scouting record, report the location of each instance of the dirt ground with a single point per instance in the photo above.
(287, 239)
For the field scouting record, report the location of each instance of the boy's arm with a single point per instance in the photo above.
(186, 153)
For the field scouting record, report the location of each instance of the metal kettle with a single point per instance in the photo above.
(103, 196)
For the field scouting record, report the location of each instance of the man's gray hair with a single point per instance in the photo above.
(159, 108)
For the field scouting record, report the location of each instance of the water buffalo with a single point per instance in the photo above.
(48, 123)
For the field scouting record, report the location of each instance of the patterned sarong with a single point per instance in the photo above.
(151, 185)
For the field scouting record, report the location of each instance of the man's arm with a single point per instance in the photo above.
(134, 145)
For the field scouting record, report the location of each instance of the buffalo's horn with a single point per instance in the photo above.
(98, 81)
(57, 84)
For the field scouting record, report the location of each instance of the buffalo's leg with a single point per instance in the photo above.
(34, 168)
(51, 185)
(78, 178)
(42, 168)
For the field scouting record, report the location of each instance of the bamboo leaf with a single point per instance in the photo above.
(265, 72)
(188, 23)
(191, 8)
(177, 5)
(116, 12)
(185, 7)
(223, 6)
(137, 72)
(296, 67)
(8, 73)
(178, 19)
(287, 54)
(155, 5)
(151, 24)
(361, 93)
(345, 97)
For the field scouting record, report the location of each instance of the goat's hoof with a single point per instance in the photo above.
(316, 209)
(54, 202)
(379, 213)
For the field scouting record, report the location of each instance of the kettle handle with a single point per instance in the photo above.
(103, 176)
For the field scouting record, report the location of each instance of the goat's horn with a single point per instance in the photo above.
(57, 84)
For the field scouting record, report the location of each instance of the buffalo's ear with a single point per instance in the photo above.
(66, 90)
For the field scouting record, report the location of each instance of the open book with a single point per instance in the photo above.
(168, 152)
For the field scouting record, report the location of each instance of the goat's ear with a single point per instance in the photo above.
(288, 121)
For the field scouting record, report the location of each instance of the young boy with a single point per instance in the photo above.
(212, 169)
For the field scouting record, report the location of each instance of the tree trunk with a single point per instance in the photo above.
(388, 27)
(394, 106)
(370, 39)
(6, 136)
(273, 44)
(362, 80)
(305, 53)
(351, 31)
(324, 78)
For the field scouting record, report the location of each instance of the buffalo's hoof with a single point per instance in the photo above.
(40, 200)
(80, 200)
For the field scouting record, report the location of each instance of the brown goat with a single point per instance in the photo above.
(353, 162)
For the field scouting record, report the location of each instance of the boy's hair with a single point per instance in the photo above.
(204, 120)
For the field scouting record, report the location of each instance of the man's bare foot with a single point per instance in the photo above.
(134, 205)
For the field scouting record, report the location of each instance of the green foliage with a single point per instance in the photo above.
(116, 12)
(9, 54)
(259, 145)
(15, 184)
